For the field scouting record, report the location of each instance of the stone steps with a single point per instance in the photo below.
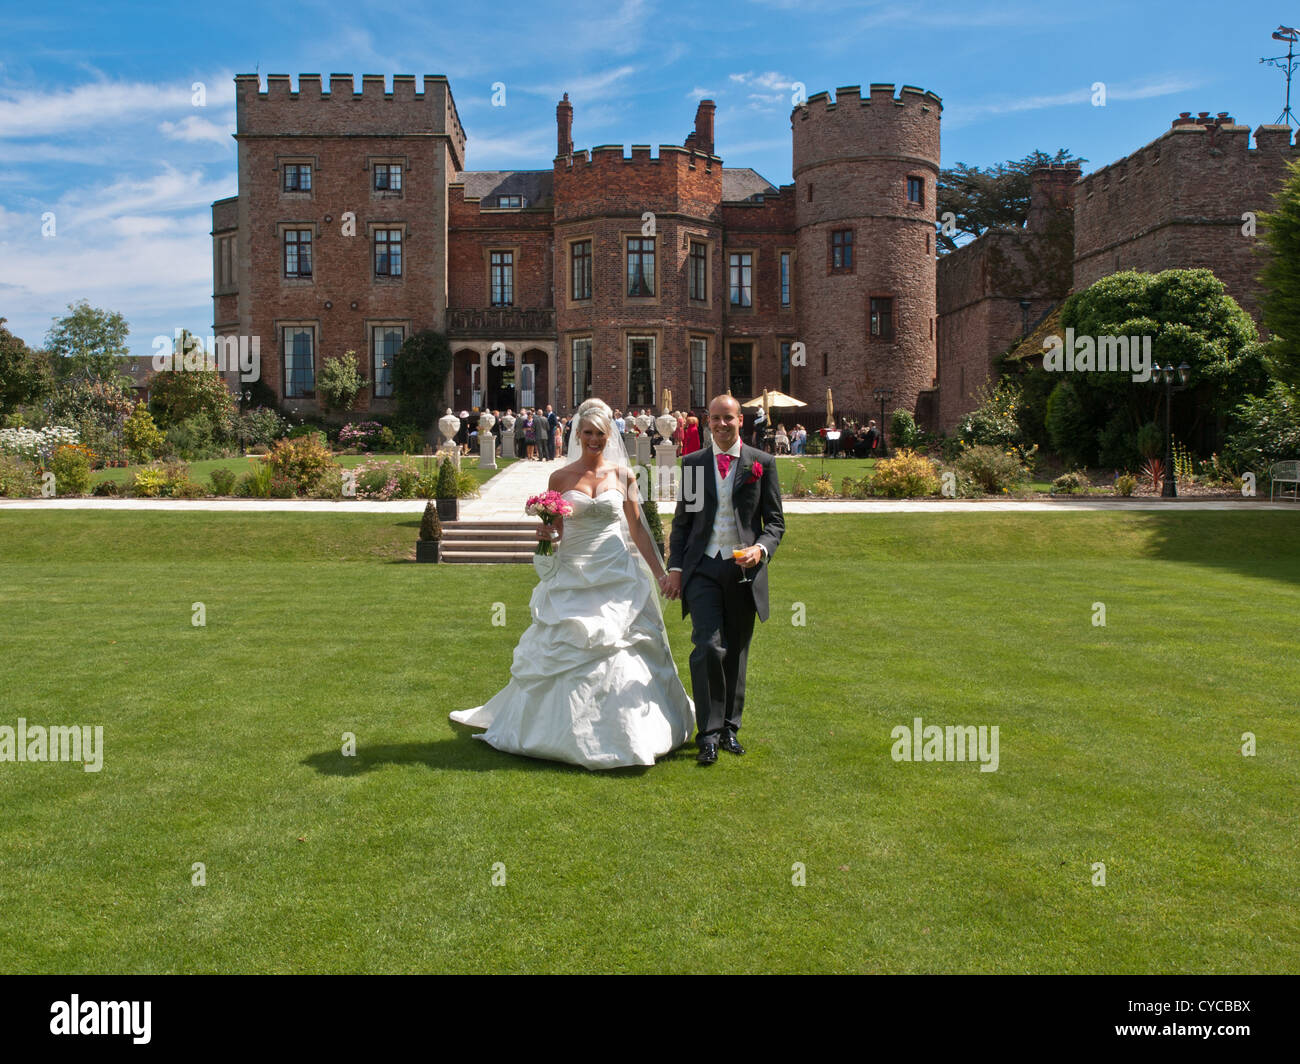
(488, 542)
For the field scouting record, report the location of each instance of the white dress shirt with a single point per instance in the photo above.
(725, 530)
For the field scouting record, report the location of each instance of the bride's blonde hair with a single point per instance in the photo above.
(595, 412)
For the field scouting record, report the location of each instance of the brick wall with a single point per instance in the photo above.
(1178, 203)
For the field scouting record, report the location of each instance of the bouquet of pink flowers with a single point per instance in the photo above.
(548, 506)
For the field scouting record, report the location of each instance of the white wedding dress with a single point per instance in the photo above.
(593, 680)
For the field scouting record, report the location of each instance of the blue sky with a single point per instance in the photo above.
(98, 124)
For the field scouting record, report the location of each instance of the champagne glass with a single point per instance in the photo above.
(738, 551)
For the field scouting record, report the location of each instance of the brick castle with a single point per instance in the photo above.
(357, 224)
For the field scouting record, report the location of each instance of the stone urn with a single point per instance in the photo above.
(448, 426)
(667, 425)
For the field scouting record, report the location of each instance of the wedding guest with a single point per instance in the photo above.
(530, 437)
(799, 441)
(691, 435)
(521, 427)
(873, 440)
(782, 440)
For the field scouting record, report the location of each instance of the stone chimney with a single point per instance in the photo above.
(1051, 190)
(564, 127)
(702, 139)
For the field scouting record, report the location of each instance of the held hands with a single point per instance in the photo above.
(670, 585)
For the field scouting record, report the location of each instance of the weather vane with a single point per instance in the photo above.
(1289, 64)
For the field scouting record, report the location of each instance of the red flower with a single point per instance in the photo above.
(755, 473)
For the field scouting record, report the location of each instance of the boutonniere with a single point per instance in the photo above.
(755, 473)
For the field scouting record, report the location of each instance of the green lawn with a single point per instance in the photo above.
(1118, 744)
(200, 470)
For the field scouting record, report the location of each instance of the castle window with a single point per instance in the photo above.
(510, 201)
(916, 191)
(810, 188)
(580, 257)
(388, 177)
(386, 342)
(299, 360)
(699, 372)
(297, 177)
(825, 364)
(785, 366)
(641, 370)
(882, 318)
(388, 253)
(841, 249)
(740, 371)
(502, 274)
(785, 278)
(699, 270)
(742, 279)
(297, 252)
(225, 263)
(581, 370)
(641, 267)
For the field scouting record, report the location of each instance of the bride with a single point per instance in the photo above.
(593, 680)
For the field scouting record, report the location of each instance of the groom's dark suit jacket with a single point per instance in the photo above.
(759, 517)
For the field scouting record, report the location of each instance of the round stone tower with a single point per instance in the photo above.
(865, 170)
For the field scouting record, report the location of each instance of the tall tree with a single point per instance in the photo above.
(1280, 299)
(23, 378)
(89, 341)
(420, 370)
(994, 197)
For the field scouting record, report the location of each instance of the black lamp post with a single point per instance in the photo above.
(882, 396)
(1166, 374)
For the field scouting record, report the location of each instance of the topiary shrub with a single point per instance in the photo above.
(430, 525)
(446, 487)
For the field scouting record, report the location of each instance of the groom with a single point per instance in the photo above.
(730, 495)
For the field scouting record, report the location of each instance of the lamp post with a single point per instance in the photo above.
(882, 396)
(1166, 374)
(1024, 318)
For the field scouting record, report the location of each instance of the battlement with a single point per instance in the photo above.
(312, 110)
(1190, 142)
(880, 94)
(609, 155)
(855, 126)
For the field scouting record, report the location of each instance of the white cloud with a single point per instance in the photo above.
(961, 114)
(193, 128)
(34, 113)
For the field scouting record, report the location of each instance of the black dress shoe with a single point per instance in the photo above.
(730, 745)
(708, 754)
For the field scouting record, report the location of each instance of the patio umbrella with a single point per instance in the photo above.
(773, 398)
(830, 410)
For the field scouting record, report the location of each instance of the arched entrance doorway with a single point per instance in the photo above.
(519, 383)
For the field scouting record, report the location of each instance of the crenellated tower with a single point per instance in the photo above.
(865, 171)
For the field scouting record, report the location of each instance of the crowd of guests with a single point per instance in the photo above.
(540, 435)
